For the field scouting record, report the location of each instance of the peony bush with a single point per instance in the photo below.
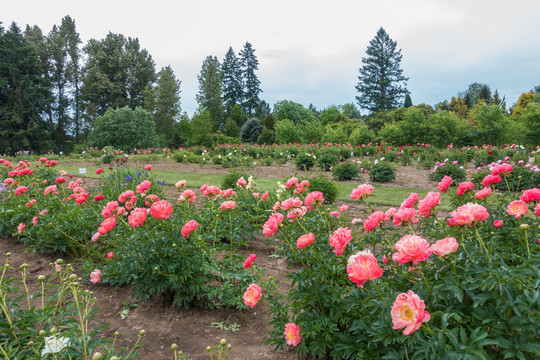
(392, 282)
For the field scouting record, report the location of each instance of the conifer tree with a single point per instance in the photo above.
(408, 101)
(232, 80)
(249, 64)
(381, 85)
(210, 87)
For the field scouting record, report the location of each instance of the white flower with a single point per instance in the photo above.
(54, 345)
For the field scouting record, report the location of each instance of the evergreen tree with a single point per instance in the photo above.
(381, 77)
(24, 94)
(73, 70)
(210, 85)
(163, 101)
(485, 94)
(496, 100)
(249, 64)
(115, 75)
(459, 106)
(232, 80)
(408, 101)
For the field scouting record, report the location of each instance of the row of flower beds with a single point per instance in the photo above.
(464, 286)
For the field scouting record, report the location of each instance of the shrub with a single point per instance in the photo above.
(327, 160)
(107, 159)
(124, 129)
(287, 132)
(382, 172)
(327, 187)
(305, 161)
(362, 135)
(251, 130)
(454, 171)
(267, 137)
(229, 180)
(345, 171)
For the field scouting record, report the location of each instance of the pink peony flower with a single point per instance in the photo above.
(150, 199)
(20, 228)
(491, 179)
(410, 202)
(503, 169)
(96, 236)
(256, 195)
(292, 334)
(252, 295)
(389, 213)
(60, 180)
(468, 214)
(148, 167)
(228, 205)
(497, 223)
(305, 240)
(373, 220)
(362, 267)
(405, 215)
(21, 190)
(161, 210)
(110, 209)
(95, 276)
(425, 205)
(314, 199)
(189, 227)
(142, 187)
(483, 193)
(464, 187)
(335, 214)
(229, 193)
(291, 182)
(445, 246)
(537, 210)
(296, 213)
(343, 208)
(411, 248)
(249, 260)
(188, 195)
(137, 217)
(99, 197)
(180, 184)
(241, 182)
(530, 195)
(110, 255)
(35, 220)
(290, 202)
(125, 196)
(271, 225)
(408, 311)
(99, 171)
(517, 208)
(362, 191)
(339, 240)
(264, 195)
(107, 225)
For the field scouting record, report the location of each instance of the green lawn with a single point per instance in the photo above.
(385, 195)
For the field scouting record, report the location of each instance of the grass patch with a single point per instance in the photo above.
(383, 195)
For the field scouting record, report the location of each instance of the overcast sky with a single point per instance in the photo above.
(309, 51)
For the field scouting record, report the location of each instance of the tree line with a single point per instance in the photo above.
(57, 94)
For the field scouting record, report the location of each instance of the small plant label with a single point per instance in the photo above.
(82, 170)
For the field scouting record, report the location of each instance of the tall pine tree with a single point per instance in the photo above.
(249, 64)
(24, 94)
(381, 85)
(232, 80)
(163, 101)
(210, 87)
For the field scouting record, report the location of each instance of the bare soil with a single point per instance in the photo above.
(191, 328)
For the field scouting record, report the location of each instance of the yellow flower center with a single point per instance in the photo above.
(407, 314)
